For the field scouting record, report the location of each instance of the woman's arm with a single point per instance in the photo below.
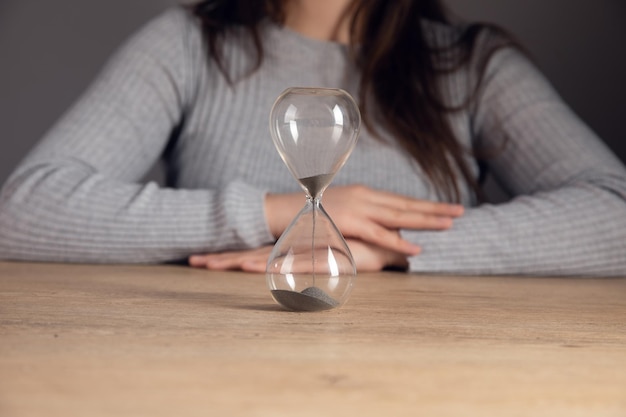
(568, 214)
(78, 197)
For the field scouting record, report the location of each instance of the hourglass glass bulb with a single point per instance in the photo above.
(314, 130)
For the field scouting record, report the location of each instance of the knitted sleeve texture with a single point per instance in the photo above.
(568, 213)
(78, 196)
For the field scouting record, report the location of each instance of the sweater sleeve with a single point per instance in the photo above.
(78, 196)
(568, 211)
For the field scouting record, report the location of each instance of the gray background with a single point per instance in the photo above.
(51, 50)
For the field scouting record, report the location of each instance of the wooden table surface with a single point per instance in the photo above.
(82, 340)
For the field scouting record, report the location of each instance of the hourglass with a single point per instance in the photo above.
(314, 130)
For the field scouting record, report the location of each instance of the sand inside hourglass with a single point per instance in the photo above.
(309, 299)
(316, 183)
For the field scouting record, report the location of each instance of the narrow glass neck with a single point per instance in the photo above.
(315, 201)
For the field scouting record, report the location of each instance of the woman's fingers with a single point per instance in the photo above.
(385, 238)
(397, 218)
(390, 210)
(253, 260)
(367, 256)
(376, 216)
(408, 204)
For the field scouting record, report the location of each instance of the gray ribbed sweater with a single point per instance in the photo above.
(78, 196)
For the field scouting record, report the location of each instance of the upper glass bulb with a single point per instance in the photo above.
(314, 131)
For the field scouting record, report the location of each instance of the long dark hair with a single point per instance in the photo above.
(400, 69)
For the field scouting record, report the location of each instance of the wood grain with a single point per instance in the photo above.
(167, 340)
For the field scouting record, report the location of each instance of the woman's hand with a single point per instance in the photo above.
(251, 260)
(368, 258)
(370, 216)
(371, 258)
(369, 219)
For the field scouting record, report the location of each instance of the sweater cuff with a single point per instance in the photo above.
(245, 212)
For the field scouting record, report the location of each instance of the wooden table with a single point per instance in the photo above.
(88, 340)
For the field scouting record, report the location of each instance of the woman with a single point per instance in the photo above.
(441, 104)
